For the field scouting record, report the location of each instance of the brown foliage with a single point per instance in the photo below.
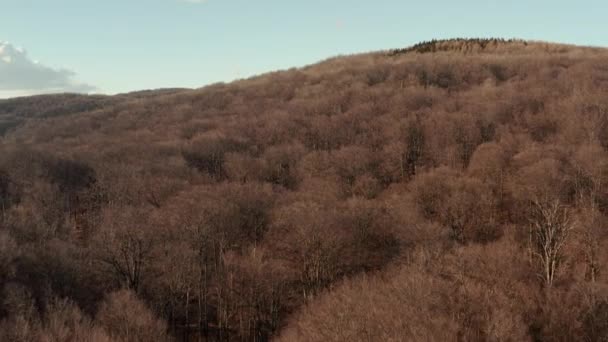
(401, 196)
(126, 318)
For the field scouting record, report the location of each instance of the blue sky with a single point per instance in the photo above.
(124, 45)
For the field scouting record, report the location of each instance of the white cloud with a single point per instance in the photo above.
(22, 76)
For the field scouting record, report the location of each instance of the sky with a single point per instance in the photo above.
(115, 46)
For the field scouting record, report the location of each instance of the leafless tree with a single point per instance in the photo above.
(550, 229)
(127, 255)
(125, 246)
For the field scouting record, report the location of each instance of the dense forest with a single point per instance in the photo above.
(451, 191)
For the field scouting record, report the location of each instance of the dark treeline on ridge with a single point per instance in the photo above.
(454, 190)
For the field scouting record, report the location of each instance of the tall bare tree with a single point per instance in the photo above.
(551, 226)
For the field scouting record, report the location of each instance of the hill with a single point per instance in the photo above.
(453, 190)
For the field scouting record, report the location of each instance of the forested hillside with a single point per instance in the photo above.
(454, 190)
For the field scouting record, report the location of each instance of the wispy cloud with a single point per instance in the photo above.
(19, 75)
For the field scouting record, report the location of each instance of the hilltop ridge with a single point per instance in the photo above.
(465, 45)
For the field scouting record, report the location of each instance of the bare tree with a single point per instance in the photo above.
(590, 165)
(127, 254)
(551, 226)
(125, 246)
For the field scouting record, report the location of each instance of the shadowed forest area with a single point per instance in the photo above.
(451, 191)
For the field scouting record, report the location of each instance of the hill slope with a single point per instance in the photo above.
(409, 193)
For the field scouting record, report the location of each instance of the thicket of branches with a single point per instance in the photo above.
(436, 196)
